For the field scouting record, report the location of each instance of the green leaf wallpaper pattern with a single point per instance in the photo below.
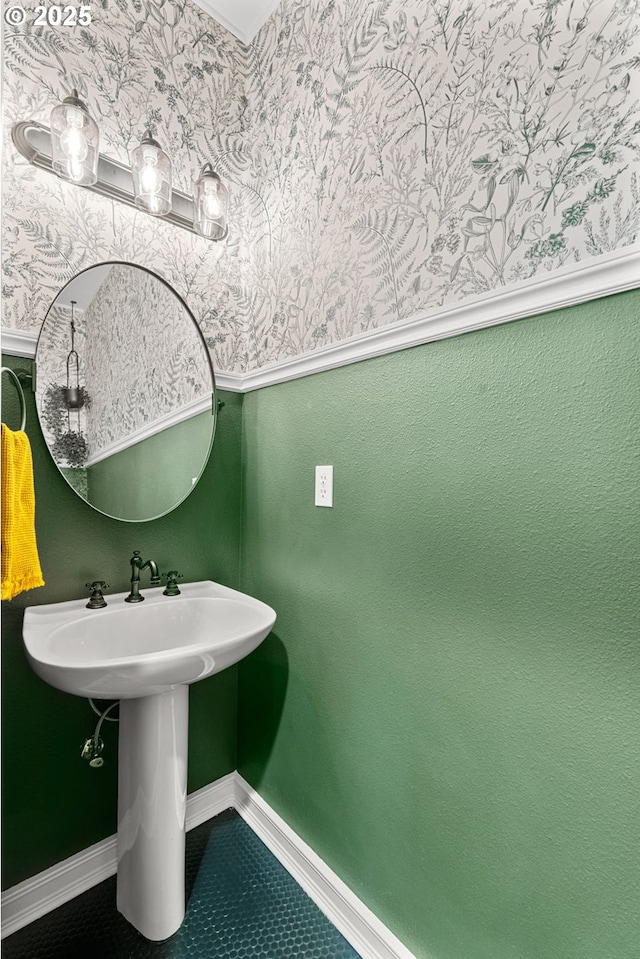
(383, 158)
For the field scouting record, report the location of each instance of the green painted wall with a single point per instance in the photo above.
(149, 478)
(448, 708)
(53, 804)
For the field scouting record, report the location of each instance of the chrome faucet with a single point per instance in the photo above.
(136, 568)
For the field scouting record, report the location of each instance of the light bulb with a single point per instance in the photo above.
(150, 179)
(74, 141)
(151, 170)
(211, 206)
(74, 144)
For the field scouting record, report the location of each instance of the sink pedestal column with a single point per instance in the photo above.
(152, 795)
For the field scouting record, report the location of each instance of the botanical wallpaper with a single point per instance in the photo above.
(383, 159)
(145, 357)
(417, 153)
(165, 66)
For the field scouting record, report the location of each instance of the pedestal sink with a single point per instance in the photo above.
(146, 655)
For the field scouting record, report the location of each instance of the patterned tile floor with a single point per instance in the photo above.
(242, 904)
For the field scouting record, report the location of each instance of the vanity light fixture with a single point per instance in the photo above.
(74, 141)
(146, 186)
(210, 205)
(151, 172)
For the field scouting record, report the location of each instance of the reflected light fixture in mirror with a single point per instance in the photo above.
(74, 141)
(151, 172)
(210, 205)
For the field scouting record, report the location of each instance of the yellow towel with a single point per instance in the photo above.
(20, 563)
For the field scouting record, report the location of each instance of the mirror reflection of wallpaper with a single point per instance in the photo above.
(140, 355)
(383, 158)
(144, 356)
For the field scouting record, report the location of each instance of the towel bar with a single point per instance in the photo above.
(23, 405)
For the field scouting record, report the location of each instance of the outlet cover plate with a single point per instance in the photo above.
(324, 486)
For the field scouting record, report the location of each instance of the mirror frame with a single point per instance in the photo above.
(214, 400)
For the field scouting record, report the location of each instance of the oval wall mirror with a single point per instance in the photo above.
(125, 391)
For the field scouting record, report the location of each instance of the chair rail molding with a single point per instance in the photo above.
(577, 283)
(580, 282)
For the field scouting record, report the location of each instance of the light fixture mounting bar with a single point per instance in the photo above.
(33, 142)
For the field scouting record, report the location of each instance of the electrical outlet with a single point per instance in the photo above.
(324, 485)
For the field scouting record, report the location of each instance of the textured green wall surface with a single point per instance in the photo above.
(150, 477)
(447, 710)
(54, 804)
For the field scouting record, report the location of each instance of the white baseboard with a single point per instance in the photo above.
(33, 898)
(360, 927)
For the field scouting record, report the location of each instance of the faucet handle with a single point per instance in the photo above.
(171, 588)
(97, 600)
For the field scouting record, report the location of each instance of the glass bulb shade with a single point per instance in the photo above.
(151, 170)
(74, 142)
(210, 198)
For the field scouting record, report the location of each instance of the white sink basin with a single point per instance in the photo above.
(146, 654)
(130, 650)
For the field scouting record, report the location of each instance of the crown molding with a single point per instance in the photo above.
(587, 280)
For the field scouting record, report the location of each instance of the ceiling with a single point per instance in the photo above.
(243, 18)
(83, 287)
